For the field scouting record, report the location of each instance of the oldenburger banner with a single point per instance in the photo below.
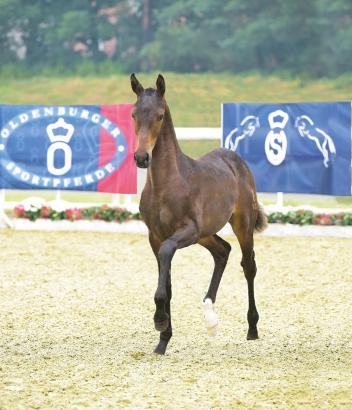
(86, 147)
(298, 148)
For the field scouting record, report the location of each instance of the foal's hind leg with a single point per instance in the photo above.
(243, 228)
(165, 335)
(220, 251)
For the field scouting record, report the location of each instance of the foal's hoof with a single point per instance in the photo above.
(212, 331)
(252, 335)
(161, 322)
(161, 348)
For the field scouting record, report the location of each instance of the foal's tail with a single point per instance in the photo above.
(262, 220)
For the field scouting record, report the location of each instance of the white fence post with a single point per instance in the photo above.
(128, 201)
(3, 216)
(115, 199)
(280, 199)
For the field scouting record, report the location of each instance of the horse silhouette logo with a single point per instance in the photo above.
(323, 141)
(246, 129)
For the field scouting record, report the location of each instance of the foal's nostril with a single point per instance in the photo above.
(142, 161)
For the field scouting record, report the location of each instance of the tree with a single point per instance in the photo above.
(335, 22)
(9, 42)
(312, 37)
(186, 36)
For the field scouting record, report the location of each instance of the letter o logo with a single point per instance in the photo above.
(51, 158)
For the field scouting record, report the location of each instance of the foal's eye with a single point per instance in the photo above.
(160, 117)
(133, 114)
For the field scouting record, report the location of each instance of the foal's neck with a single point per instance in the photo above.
(167, 154)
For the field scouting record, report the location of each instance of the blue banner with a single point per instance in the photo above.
(293, 148)
(84, 147)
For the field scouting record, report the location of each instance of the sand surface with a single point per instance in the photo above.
(76, 328)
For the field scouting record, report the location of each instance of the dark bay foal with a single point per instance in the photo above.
(188, 201)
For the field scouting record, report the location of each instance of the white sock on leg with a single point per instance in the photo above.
(210, 317)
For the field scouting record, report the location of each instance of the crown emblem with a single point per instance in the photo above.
(278, 119)
(64, 131)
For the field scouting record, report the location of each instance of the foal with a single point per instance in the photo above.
(188, 201)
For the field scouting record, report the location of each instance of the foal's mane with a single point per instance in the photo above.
(150, 91)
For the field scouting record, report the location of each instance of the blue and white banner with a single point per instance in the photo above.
(85, 147)
(297, 148)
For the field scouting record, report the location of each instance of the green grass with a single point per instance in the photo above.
(299, 200)
(71, 196)
(197, 148)
(194, 99)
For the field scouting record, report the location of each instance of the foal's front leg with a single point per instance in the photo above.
(183, 237)
(166, 334)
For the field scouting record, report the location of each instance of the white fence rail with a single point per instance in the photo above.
(128, 201)
(198, 134)
(131, 201)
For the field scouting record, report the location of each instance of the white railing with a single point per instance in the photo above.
(130, 201)
(198, 134)
(127, 200)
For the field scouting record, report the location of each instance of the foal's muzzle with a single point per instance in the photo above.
(142, 161)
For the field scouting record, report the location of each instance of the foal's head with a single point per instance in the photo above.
(148, 116)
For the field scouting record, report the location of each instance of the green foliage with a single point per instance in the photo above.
(301, 217)
(115, 214)
(304, 217)
(346, 219)
(102, 213)
(82, 68)
(302, 37)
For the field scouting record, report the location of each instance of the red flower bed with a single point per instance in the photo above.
(117, 214)
(103, 213)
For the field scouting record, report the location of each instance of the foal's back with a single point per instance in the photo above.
(224, 171)
(222, 185)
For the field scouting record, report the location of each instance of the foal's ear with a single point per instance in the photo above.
(136, 85)
(160, 85)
